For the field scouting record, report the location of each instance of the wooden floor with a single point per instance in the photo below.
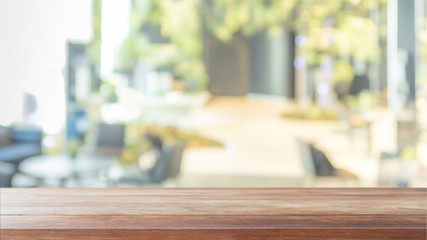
(271, 213)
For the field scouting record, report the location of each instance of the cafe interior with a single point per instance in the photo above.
(207, 94)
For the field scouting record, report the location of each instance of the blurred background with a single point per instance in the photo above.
(215, 93)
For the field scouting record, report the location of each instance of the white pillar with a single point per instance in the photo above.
(392, 63)
(115, 17)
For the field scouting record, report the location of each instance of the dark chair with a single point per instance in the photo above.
(158, 172)
(105, 145)
(174, 167)
(110, 139)
(322, 165)
(317, 165)
(168, 164)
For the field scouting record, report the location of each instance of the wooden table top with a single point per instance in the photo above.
(271, 213)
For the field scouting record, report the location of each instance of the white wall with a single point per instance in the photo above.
(32, 55)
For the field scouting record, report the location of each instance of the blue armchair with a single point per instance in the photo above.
(18, 144)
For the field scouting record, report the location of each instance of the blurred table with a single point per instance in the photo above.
(270, 213)
(131, 175)
(63, 167)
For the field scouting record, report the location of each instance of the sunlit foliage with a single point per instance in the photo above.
(338, 28)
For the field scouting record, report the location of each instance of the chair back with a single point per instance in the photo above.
(174, 167)
(110, 139)
(159, 171)
(306, 157)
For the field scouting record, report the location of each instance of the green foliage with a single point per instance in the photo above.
(358, 37)
(179, 22)
(132, 50)
(365, 100)
(224, 18)
(422, 75)
(409, 154)
(339, 28)
(94, 48)
(422, 37)
(343, 72)
(313, 113)
(136, 144)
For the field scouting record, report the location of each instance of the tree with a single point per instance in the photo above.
(340, 28)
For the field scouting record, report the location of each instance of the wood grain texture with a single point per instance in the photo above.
(368, 213)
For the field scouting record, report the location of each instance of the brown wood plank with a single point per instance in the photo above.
(212, 201)
(214, 222)
(297, 234)
(213, 213)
